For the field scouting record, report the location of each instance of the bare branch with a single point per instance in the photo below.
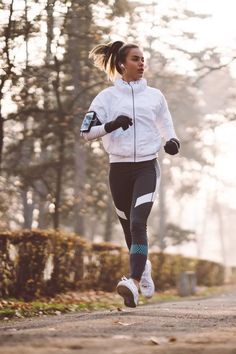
(73, 101)
(13, 116)
(6, 50)
(210, 69)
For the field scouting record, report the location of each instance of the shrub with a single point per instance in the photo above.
(24, 277)
(38, 262)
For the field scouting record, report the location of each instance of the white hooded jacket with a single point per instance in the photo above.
(150, 115)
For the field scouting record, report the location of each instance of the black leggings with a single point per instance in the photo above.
(133, 188)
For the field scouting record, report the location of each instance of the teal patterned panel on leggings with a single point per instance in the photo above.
(139, 249)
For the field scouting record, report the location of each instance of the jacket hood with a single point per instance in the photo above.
(138, 86)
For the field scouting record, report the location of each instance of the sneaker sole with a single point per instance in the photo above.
(127, 295)
(147, 297)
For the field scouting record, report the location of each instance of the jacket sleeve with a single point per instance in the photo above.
(98, 106)
(164, 121)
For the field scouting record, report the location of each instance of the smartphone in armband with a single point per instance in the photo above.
(88, 121)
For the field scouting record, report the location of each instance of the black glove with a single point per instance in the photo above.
(172, 146)
(120, 122)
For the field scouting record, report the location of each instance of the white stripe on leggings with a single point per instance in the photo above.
(121, 214)
(144, 199)
(150, 197)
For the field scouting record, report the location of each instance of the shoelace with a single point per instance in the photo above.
(132, 284)
(146, 286)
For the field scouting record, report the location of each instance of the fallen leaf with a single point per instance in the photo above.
(158, 341)
(172, 339)
(75, 346)
(154, 341)
(121, 336)
(124, 323)
(18, 314)
(120, 309)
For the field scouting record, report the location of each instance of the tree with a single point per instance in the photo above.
(51, 101)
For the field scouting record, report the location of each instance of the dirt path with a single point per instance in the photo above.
(183, 327)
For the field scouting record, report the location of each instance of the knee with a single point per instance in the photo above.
(138, 227)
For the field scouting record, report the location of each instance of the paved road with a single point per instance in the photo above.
(206, 326)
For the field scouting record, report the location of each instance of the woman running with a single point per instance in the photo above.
(131, 118)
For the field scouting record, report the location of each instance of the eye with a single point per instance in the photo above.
(136, 59)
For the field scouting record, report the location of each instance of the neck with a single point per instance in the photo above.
(128, 79)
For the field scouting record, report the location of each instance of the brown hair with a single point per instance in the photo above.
(108, 57)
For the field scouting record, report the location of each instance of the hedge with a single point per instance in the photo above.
(36, 263)
(23, 259)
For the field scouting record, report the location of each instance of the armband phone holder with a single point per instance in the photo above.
(88, 121)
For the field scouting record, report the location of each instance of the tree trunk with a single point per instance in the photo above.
(48, 60)
(80, 177)
(26, 150)
(108, 224)
(1, 134)
(61, 153)
(28, 209)
(79, 48)
(8, 69)
(221, 234)
(42, 191)
(60, 168)
(42, 224)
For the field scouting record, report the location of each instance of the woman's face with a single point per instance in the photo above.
(133, 68)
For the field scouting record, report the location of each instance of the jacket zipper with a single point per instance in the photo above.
(134, 123)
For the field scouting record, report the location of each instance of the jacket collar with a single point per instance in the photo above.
(124, 86)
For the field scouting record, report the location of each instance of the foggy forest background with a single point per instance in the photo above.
(51, 178)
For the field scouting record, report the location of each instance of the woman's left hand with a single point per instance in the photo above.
(172, 146)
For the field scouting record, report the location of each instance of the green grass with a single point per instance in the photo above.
(7, 312)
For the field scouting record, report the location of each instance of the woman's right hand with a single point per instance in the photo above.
(120, 122)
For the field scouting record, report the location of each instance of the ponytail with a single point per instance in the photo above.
(108, 57)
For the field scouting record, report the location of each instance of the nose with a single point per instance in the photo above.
(141, 64)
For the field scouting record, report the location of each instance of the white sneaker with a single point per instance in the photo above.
(147, 286)
(129, 291)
